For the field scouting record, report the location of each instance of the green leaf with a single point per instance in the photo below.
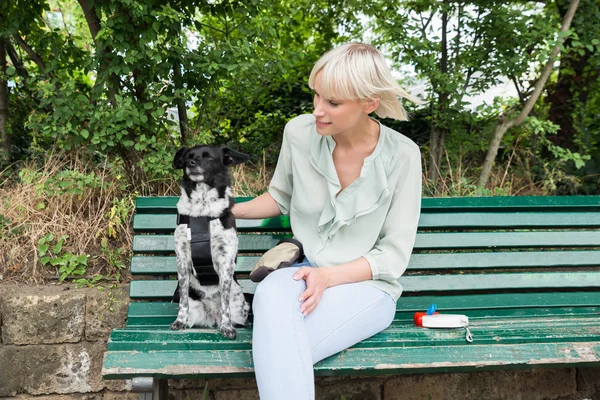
(57, 247)
(43, 249)
(84, 133)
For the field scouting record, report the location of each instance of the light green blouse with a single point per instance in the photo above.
(375, 217)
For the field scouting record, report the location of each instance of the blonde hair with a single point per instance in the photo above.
(358, 71)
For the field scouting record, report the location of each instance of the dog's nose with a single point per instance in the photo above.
(191, 163)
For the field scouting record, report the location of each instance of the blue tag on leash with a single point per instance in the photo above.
(431, 309)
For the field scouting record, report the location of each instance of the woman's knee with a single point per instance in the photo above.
(277, 288)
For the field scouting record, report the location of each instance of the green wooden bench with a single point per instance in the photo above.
(525, 270)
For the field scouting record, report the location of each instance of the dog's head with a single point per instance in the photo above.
(201, 163)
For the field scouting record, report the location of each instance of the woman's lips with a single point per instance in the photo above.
(323, 124)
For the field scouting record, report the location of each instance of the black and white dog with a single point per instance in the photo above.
(206, 192)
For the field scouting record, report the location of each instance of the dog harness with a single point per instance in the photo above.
(200, 245)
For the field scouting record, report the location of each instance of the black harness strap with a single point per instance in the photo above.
(200, 245)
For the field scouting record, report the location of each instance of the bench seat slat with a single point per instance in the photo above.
(455, 358)
(549, 304)
(143, 314)
(144, 289)
(400, 335)
(165, 265)
(163, 244)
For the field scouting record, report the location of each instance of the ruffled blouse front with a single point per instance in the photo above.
(368, 192)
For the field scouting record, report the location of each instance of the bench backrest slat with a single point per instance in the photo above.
(429, 283)
(165, 265)
(432, 204)
(164, 244)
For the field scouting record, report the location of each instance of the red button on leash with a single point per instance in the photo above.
(418, 318)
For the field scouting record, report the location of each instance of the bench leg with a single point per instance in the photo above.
(150, 388)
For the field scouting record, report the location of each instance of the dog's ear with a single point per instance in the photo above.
(232, 157)
(179, 160)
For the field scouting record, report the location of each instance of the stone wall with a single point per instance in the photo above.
(53, 338)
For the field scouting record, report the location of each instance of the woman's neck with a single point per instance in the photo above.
(363, 135)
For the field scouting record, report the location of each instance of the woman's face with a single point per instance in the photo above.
(336, 116)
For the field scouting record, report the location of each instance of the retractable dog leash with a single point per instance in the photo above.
(433, 319)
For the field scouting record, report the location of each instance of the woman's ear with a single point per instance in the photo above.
(371, 104)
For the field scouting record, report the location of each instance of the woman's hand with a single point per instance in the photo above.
(317, 280)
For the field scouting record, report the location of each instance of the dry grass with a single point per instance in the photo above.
(63, 195)
(251, 180)
(459, 180)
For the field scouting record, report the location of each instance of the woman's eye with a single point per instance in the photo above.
(333, 103)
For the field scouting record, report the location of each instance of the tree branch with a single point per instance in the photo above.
(14, 58)
(91, 17)
(35, 57)
(5, 142)
(519, 91)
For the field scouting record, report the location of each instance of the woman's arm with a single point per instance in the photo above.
(260, 207)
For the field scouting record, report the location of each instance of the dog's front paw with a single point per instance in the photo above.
(228, 331)
(178, 325)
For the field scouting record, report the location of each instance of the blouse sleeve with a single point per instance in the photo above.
(281, 184)
(391, 253)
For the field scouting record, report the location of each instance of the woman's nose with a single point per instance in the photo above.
(318, 110)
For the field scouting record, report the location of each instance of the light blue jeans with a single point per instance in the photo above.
(285, 344)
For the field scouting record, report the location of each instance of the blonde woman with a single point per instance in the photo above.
(352, 189)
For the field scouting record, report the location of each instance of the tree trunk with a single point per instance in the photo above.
(502, 126)
(5, 146)
(434, 139)
(181, 109)
(438, 134)
(94, 25)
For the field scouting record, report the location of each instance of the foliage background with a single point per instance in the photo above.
(97, 95)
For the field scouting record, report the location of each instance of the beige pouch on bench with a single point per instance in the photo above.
(284, 254)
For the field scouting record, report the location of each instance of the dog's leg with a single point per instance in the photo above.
(224, 247)
(184, 270)
(225, 280)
